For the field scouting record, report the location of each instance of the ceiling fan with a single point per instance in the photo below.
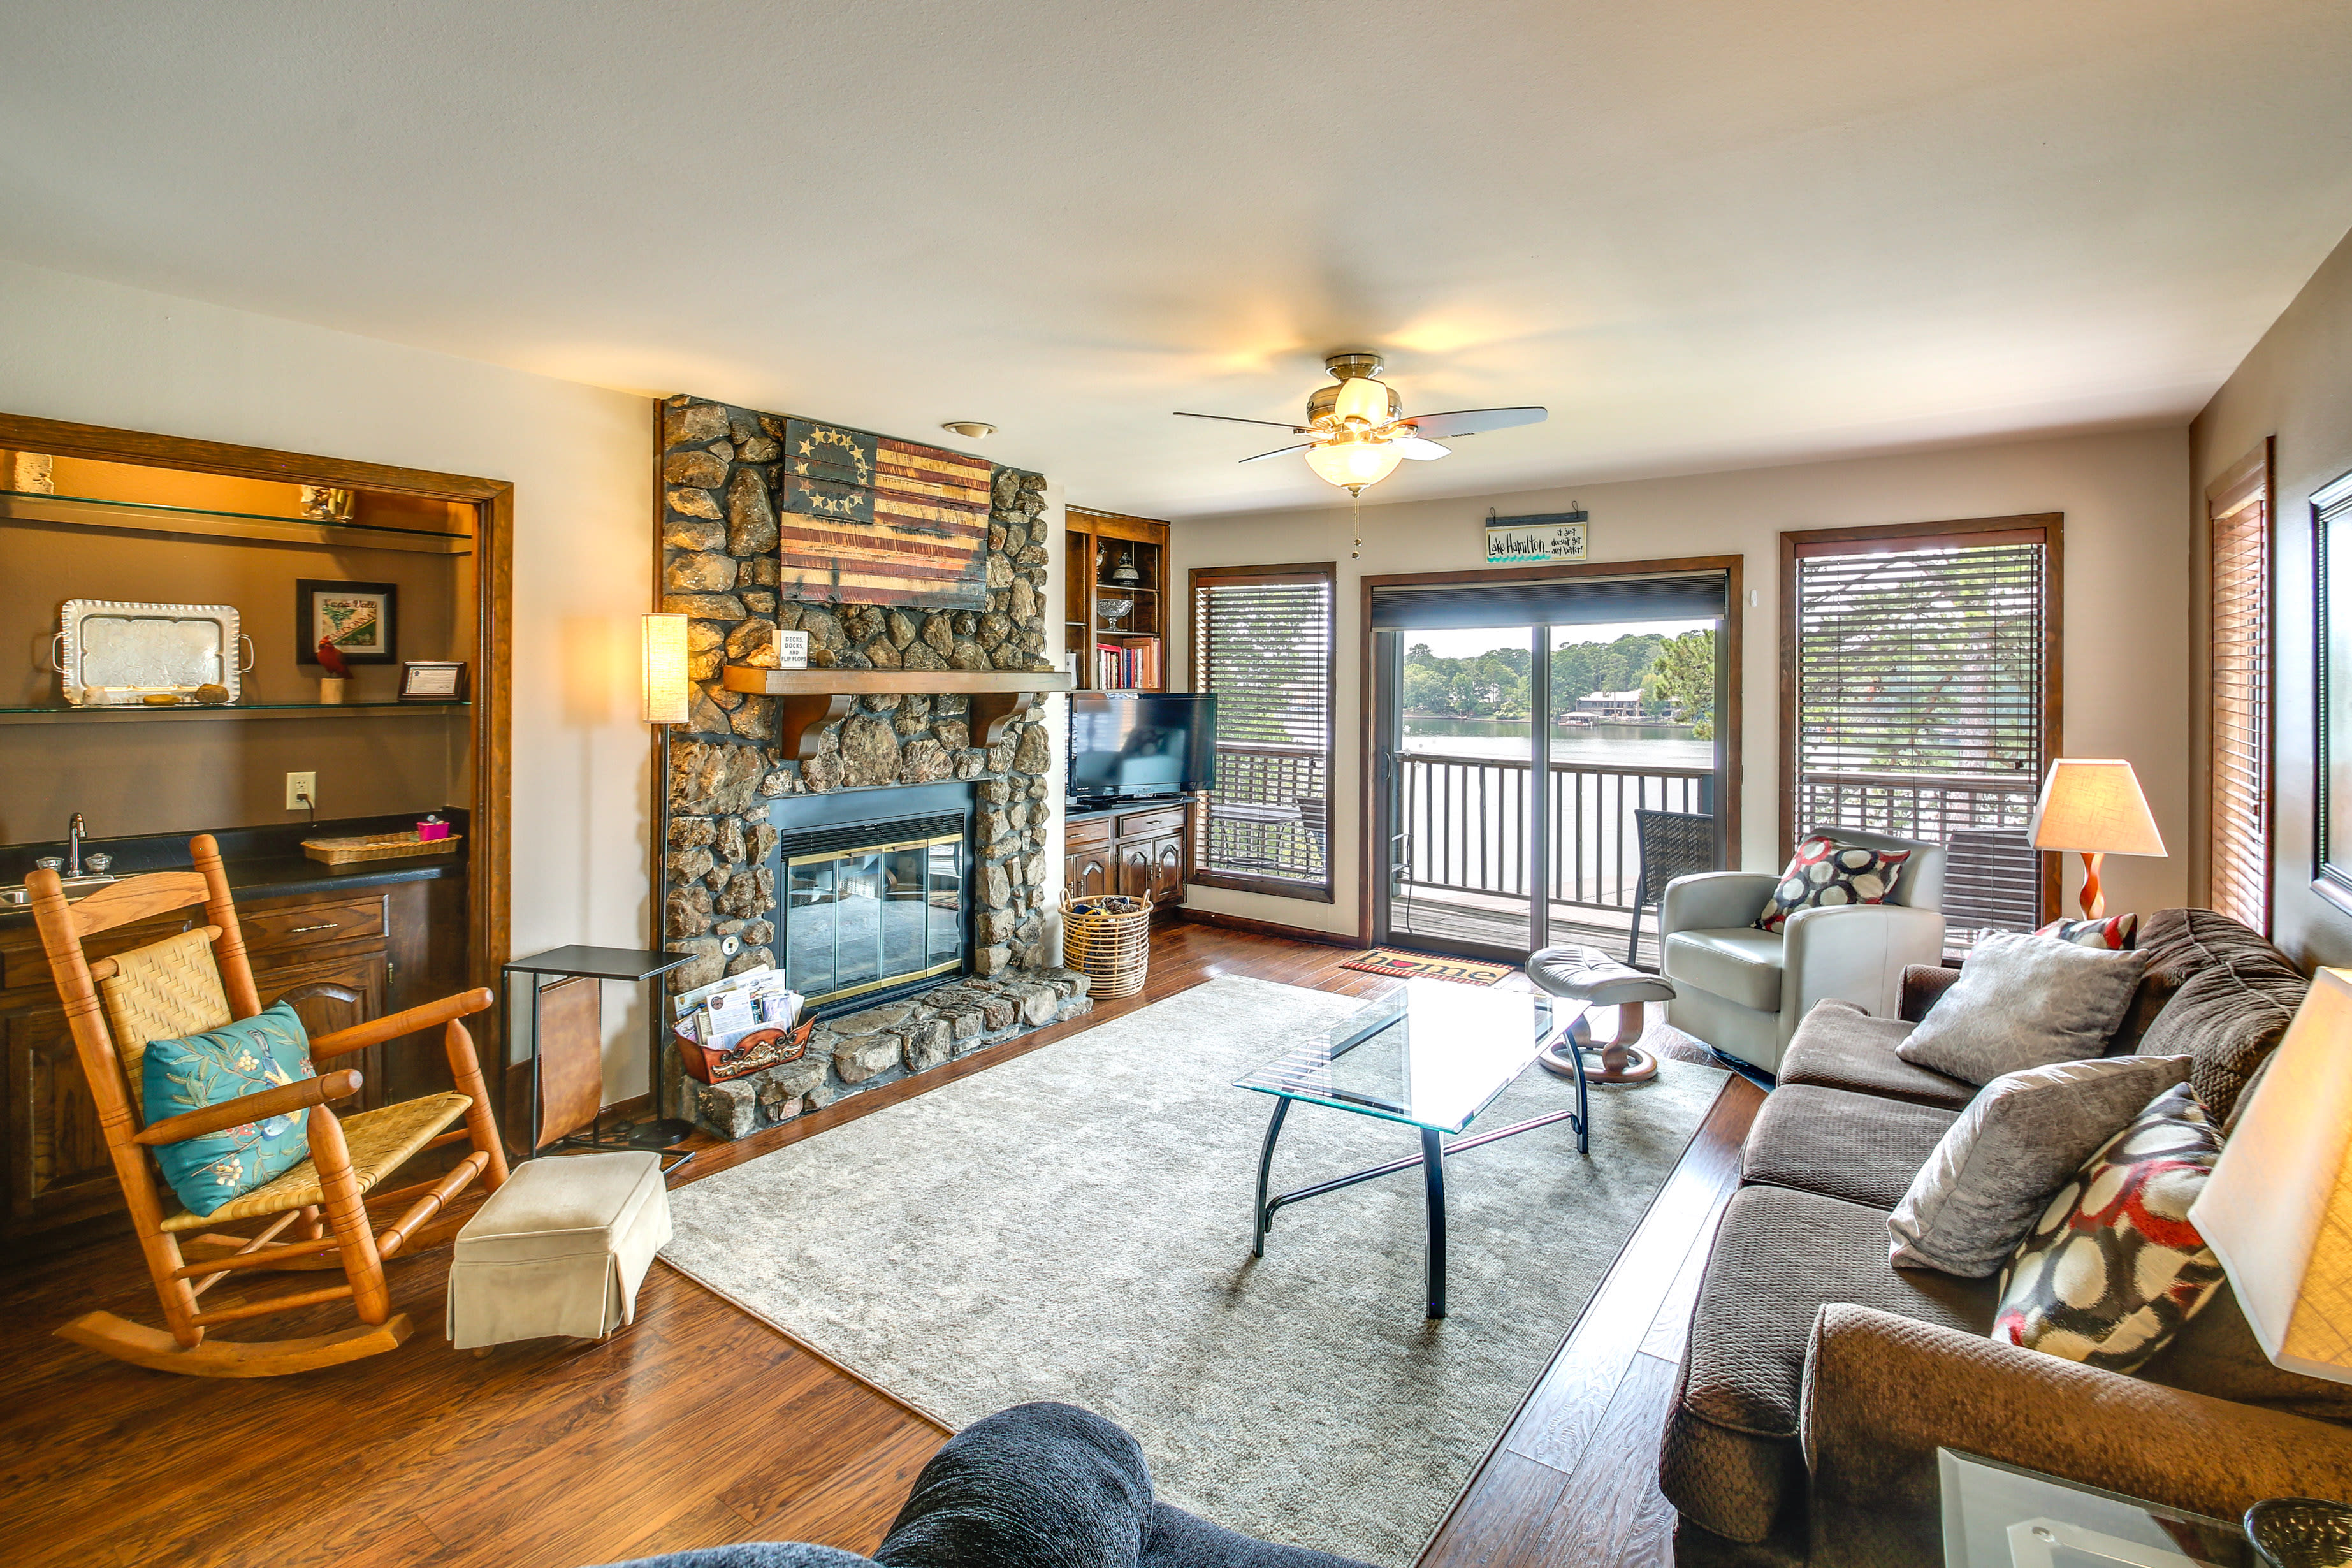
(1357, 430)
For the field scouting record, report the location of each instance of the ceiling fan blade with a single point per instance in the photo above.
(1469, 421)
(1419, 450)
(1279, 451)
(1276, 423)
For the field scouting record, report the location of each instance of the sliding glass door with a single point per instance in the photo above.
(1514, 763)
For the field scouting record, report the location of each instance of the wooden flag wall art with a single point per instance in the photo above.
(869, 519)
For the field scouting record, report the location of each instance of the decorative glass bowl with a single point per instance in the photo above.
(2301, 1533)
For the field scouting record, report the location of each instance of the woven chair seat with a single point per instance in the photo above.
(381, 1143)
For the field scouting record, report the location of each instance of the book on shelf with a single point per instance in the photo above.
(1125, 666)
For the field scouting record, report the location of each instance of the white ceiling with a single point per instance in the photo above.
(1705, 233)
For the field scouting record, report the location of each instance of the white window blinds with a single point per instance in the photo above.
(1262, 642)
(1921, 696)
(2238, 820)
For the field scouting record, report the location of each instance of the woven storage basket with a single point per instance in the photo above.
(1107, 939)
(377, 846)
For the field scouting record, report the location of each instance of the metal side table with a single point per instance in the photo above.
(634, 966)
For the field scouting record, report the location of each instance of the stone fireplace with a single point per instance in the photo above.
(821, 844)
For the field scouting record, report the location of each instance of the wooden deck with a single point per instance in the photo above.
(698, 1426)
(1503, 922)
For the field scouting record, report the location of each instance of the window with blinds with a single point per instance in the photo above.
(1921, 683)
(1262, 643)
(2238, 800)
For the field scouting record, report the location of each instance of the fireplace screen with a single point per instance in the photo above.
(862, 918)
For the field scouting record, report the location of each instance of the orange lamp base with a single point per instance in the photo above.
(2094, 902)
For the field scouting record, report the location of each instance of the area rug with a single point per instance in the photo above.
(1405, 965)
(1075, 1225)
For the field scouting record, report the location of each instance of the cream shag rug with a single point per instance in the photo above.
(1075, 1225)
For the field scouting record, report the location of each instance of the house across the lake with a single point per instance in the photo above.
(1613, 706)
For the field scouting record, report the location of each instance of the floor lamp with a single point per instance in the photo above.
(669, 697)
(2095, 807)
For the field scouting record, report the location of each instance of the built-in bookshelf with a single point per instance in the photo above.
(1116, 619)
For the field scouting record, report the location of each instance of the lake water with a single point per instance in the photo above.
(1633, 746)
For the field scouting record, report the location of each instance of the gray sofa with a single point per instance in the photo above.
(1821, 1380)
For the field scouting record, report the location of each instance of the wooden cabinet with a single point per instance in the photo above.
(343, 957)
(1145, 852)
(1119, 600)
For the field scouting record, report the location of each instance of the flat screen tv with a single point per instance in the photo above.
(1126, 745)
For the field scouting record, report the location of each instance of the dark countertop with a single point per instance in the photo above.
(262, 863)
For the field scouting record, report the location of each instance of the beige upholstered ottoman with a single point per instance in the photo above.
(559, 1249)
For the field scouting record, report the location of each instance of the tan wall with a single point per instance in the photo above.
(2295, 385)
(581, 461)
(2126, 676)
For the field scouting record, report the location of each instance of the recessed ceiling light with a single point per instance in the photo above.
(970, 429)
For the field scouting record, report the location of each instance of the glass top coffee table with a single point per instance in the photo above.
(1431, 1055)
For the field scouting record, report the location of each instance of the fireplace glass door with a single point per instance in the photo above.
(860, 918)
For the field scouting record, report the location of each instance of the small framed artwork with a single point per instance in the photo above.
(362, 619)
(433, 680)
(2331, 537)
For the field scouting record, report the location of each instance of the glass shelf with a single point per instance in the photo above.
(142, 517)
(59, 714)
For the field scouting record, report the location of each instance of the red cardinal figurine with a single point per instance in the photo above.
(332, 657)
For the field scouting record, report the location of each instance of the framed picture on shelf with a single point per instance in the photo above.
(362, 619)
(433, 680)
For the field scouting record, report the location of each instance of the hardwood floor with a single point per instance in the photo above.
(696, 1424)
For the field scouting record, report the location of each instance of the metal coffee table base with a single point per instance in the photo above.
(1432, 1160)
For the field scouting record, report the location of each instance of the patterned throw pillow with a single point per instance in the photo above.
(2117, 934)
(244, 1057)
(2113, 1269)
(1825, 873)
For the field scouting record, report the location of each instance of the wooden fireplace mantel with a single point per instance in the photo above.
(809, 700)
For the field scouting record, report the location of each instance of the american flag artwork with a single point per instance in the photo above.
(868, 520)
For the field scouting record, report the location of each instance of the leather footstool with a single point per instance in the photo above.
(1587, 974)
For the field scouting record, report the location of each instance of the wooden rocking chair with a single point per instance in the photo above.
(200, 980)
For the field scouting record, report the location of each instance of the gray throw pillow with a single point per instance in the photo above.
(2024, 1002)
(2021, 1137)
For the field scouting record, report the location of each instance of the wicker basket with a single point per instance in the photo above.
(377, 846)
(1107, 939)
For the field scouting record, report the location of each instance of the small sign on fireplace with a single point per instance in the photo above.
(792, 649)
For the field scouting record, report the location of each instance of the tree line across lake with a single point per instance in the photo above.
(1675, 674)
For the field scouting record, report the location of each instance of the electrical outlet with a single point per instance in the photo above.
(302, 791)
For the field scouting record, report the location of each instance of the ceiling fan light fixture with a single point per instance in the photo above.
(1352, 464)
(1362, 402)
(970, 429)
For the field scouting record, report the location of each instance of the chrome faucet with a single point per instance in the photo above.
(73, 846)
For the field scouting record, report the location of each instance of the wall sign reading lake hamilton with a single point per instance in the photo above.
(863, 518)
(1533, 541)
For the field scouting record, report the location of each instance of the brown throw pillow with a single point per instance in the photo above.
(2019, 1139)
(1825, 874)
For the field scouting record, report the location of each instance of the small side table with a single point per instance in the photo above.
(635, 966)
(2000, 1516)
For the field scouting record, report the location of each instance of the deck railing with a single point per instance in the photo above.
(1464, 825)
(1270, 815)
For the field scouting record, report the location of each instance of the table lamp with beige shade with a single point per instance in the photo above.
(2094, 806)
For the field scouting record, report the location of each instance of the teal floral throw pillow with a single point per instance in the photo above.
(245, 1058)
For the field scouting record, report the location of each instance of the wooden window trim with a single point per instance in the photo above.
(2246, 486)
(2046, 528)
(1328, 574)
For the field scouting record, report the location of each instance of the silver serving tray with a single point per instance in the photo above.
(113, 653)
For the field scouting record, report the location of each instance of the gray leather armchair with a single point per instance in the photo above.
(1743, 990)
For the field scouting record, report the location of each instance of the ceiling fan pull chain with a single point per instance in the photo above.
(1358, 498)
